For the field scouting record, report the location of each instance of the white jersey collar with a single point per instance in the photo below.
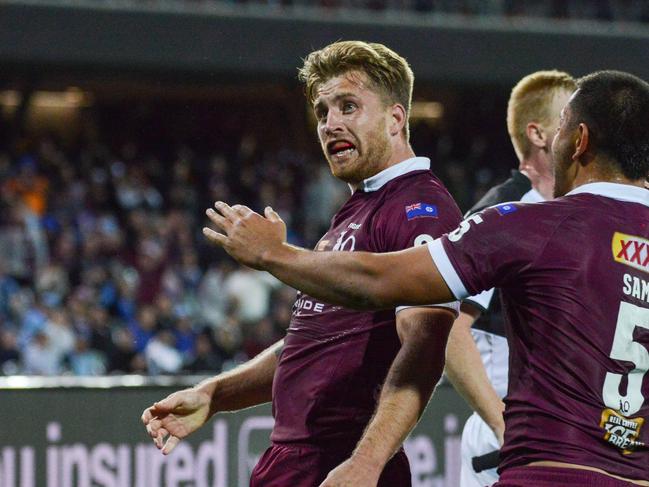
(532, 196)
(616, 191)
(379, 180)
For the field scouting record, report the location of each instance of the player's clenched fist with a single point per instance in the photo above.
(246, 236)
(176, 417)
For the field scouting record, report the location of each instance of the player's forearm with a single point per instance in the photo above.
(410, 382)
(360, 280)
(465, 370)
(353, 279)
(247, 385)
(396, 416)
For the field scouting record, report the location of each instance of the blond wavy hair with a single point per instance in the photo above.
(389, 74)
(531, 101)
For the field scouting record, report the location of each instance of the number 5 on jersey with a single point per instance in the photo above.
(625, 349)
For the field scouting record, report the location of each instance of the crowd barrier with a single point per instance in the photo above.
(65, 432)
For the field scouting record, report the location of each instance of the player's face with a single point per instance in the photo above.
(563, 149)
(352, 127)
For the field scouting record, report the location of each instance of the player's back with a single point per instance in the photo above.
(579, 334)
(489, 329)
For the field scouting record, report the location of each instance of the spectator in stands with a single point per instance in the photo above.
(60, 334)
(86, 361)
(249, 292)
(101, 226)
(9, 353)
(206, 359)
(40, 357)
(161, 354)
(124, 359)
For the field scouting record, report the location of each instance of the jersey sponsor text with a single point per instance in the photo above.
(304, 304)
(631, 250)
(622, 432)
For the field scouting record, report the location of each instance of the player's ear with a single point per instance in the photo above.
(581, 142)
(536, 135)
(398, 119)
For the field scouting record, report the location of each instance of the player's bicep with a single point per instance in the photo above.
(410, 277)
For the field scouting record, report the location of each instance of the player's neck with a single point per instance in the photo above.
(400, 153)
(540, 176)
(396, 157)
(601, 173)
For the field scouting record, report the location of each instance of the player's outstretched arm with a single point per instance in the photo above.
(180, 414)
(411, 379)
(465, 370)
(358, 280)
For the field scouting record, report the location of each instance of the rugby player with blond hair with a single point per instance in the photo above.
(477, 354)
(339, 369)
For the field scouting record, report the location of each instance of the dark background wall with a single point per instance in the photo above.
(263, 42)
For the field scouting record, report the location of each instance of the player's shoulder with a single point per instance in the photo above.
(416, 185)
(513, 189)
(541, 217)
(420, 193)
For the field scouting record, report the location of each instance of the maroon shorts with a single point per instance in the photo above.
(308, 466)
(556, 476)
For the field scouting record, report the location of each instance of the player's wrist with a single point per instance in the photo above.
(274, 257)
(368, 467)
(371, 462)
(210, 389)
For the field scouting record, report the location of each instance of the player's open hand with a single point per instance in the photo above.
(352, 473)
(245, 235)
(176, 417)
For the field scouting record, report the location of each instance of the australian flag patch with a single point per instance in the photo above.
(420, 210)
(506, 208)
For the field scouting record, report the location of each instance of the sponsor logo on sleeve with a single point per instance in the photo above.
(421, 210)
(631, 250)
(506, 208)
(621, 431)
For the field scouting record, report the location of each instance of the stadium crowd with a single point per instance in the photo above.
(103, 267)
(599, 10)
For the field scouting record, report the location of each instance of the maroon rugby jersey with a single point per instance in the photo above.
(334, 359)
(574, 277)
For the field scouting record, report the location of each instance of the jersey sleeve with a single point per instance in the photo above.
(415, 217)
(489, 249)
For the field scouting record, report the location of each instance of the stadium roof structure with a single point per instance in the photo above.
(210, 39)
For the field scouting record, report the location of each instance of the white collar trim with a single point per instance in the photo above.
(532, 196)
(616, 191)
(379, 180)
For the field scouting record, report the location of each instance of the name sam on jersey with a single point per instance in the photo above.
(635, 287)
(631, 250)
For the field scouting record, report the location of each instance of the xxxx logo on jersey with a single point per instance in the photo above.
(632, 251)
